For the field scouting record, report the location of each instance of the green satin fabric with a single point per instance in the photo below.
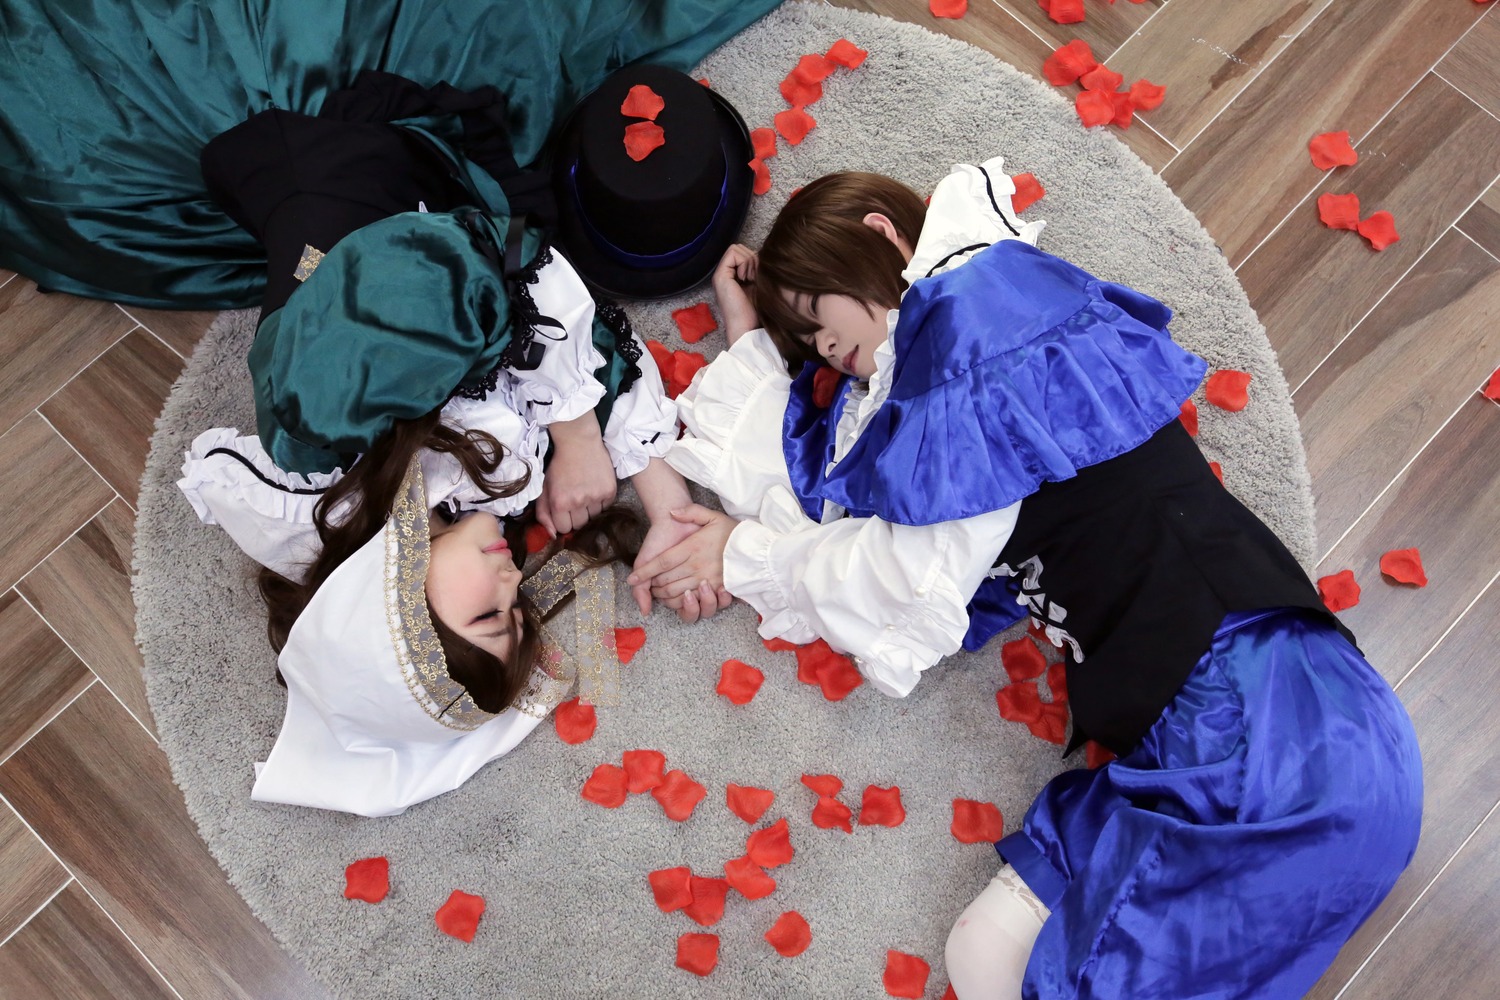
(106, 106)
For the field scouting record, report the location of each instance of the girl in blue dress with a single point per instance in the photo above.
(973, 430)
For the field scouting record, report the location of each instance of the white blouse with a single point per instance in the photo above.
(891, 595)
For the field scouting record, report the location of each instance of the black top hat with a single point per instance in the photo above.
(657, 226)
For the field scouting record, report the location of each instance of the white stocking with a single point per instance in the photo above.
(991, 941)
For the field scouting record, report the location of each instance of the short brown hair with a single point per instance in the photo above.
(820, 245)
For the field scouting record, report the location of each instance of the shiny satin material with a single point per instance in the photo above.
(1016, 369)
(1260, 821)
(107, 105)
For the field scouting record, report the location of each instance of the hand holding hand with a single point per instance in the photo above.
(689, 576)
(736, 270)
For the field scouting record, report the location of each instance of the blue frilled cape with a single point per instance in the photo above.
(1012, 370)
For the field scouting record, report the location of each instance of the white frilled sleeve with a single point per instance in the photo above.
(563, 385)
(970, 209)
(643, 421)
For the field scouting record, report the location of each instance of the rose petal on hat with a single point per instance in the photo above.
(825, 386)
(1228, 389)
(778, 645)
(1339, 590)
(1057, 682)
(838, 677)
(695, 322)
(685, 365)
(953, 9)
(459, 917)
(1379, 229)
(846, 53)
(799, 93)
(641, 138)
(1124, 109)
(976, 822)
(790, 935)
(642, 102)
(823, 784)
(1339, 211)
(1217, 470)
(1028, 192)
(1491, 389)
(748, 802)
(813, 68)
(748, 879)
(762, 173)
(1146, 96)
(1069, 63)
(739, 681)
(607, 786)
(1189, 417)
(1096, 754)
(679, 795)
(698, 953)
(662, 355)
(644, 770)
(575, 721)
(1019, 703)
(628, 642)
(707, 907)
(906, 975)
(881, 806)
(1095, 107)
(1022, 659)
(1332, 149)
(368, 879)
(1053, 725)
(670, 888)
(830, 813)
(794, 124)
(1101, 77)
(1404, 566)
(771, 846)
(763, 140)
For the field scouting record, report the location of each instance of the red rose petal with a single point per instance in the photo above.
(763, 140)
(1380, 230)
(537, 537)
(790, 935)
(762, 176)
(799, 93)
(1339, 590)
(838, 677)
(1069, 63)
(1057, 682)
(953, 9)
(1124, 110)
(642, 102)
(670, 888)
(1404, 566)
(679, 795)
(1095, 107)
(1339, 211)
(1228, 389)
(642, 138)
(698, 953)
(948, 994)
(644, 770)
(830, 813)
(1096, 754)
(846, 53)
(1218, 471)
(794, 124)
(813, 68)
(881, 806)
(778, 645)
(1019, 703)
(1022, 659)
(825, 386)
(772, 846)
(368, 879)
(662, 355)
(707, 907)
(685, 365)
(628, 642)
(1066, 11)
(607, 786)
(1053, 725)
(748, 879)
(748, 802)
(575, 721)
(1146, 96)
(1101, 77)
(1492, 388)
(738, 681)
(1189, 417)
(1332, 149)
(695, 322)
(1028, 192)
(823, 784)
(459, 917)
(703, 81)
(976, 822)
(906, 975)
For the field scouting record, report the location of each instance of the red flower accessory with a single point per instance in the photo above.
(642, 138)
(953, 9)
(906, 975)
(606, 786)
(976, 822)
(642, 102)
(670, 888)
(1094, 107)
(790, 935)
(1145, 95)
(772, 846)
(1404, 566)
(763, 141)
(628, 642)
(575, 721)
(748, 802)
(762, 176)
(881, 807)
(643, 770)
(694, 322)
(1101, 77)
(1339, 590)
(825, 386)
(679, 795)
(1189, 417)
(1339, 211)
(698, 953)
(1022, 659)
(739, 681)
(1069, 63)
(459, 917)
(1332, 149)
(1380, 230)
(846, 53)
(1228, 389)
(823, 784)
(748, 879)
(1019, 703)
(794, 124)
(1028, 192)
(707, 907)
(368, 879)
(830, 813)
(1064, 11)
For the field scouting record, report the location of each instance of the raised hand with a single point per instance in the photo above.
(735, 271)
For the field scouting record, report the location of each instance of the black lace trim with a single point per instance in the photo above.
(522, 353)
(617, 323)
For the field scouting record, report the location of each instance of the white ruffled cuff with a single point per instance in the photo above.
(749, 575)
(642, 422)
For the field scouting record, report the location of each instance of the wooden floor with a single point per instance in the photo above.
(105, 889)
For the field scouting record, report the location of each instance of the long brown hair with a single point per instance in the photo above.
(820, 245)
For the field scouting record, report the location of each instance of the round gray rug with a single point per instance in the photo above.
(570, 913)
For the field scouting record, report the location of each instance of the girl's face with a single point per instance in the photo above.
(848, 330)
(472, 582)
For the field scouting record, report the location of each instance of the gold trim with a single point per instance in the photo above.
(311, 258)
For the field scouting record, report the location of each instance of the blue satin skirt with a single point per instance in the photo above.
(1263, 817)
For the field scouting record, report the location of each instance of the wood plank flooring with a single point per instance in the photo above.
(105, 889)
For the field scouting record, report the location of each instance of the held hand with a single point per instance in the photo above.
(735, 271)
(663, 534)
(704, 602)
(689, 576)
(580, 482)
